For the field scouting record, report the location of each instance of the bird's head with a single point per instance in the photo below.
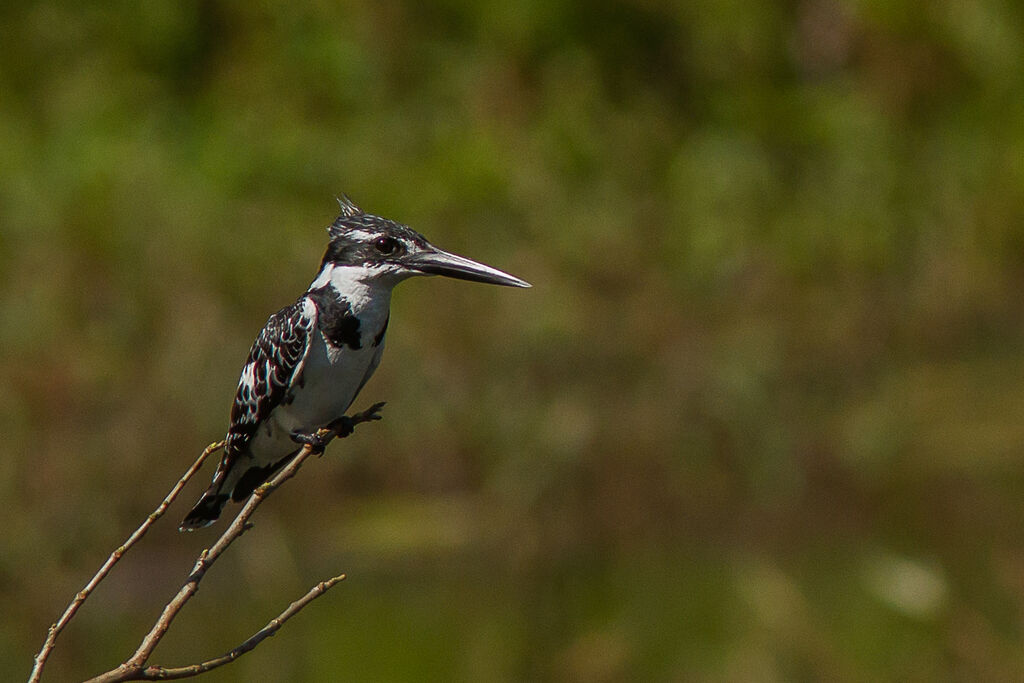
(387, 252)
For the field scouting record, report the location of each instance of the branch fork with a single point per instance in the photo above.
(135, 667)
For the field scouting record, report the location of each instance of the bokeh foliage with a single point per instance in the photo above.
(759, 419)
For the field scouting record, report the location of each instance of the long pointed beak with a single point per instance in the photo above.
(438, 262)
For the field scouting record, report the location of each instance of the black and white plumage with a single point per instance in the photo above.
(313, 357)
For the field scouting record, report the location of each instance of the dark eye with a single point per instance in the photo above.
(386, 245)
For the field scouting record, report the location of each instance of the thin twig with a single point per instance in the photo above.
(81, 596)
(134, 667)
(160, 673)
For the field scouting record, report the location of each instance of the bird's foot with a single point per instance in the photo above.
(346, 424)
(342, 427)
(339, 428)
(317, 441)
(369, 415)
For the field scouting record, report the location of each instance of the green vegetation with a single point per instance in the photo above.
(760, 418)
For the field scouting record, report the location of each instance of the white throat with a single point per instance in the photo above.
(362, 286)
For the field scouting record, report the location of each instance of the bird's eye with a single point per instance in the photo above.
(385, 245)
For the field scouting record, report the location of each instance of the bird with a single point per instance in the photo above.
(312, 357)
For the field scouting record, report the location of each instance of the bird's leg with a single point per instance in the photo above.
(340, 428)
(345, 425)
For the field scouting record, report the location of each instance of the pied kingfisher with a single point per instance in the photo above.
(312, 357)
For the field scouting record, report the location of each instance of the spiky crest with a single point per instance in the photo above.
(348, 210)
(348, 207)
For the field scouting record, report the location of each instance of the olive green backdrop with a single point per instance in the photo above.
(760, 418)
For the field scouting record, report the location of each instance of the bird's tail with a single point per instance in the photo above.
(206, 511)
(240, 483)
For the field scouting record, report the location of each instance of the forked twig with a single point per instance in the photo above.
(82, 595)
(134, 668)
(160, 673)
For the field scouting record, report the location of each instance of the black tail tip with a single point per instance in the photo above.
(205, 513)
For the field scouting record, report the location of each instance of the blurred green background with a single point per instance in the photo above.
(760, 419)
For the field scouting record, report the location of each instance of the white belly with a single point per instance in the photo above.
(331, 375)
(331, 379)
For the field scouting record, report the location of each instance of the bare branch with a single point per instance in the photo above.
(135, 668)
(132, 668)
(159, 673)
(81, 596)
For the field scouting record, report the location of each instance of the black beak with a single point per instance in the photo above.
(438, 262)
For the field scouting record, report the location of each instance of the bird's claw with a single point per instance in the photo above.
(370, 414)
(346, 424)
(315, 441)
(340, 428)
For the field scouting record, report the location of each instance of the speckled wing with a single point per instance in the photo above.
(274, 365)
